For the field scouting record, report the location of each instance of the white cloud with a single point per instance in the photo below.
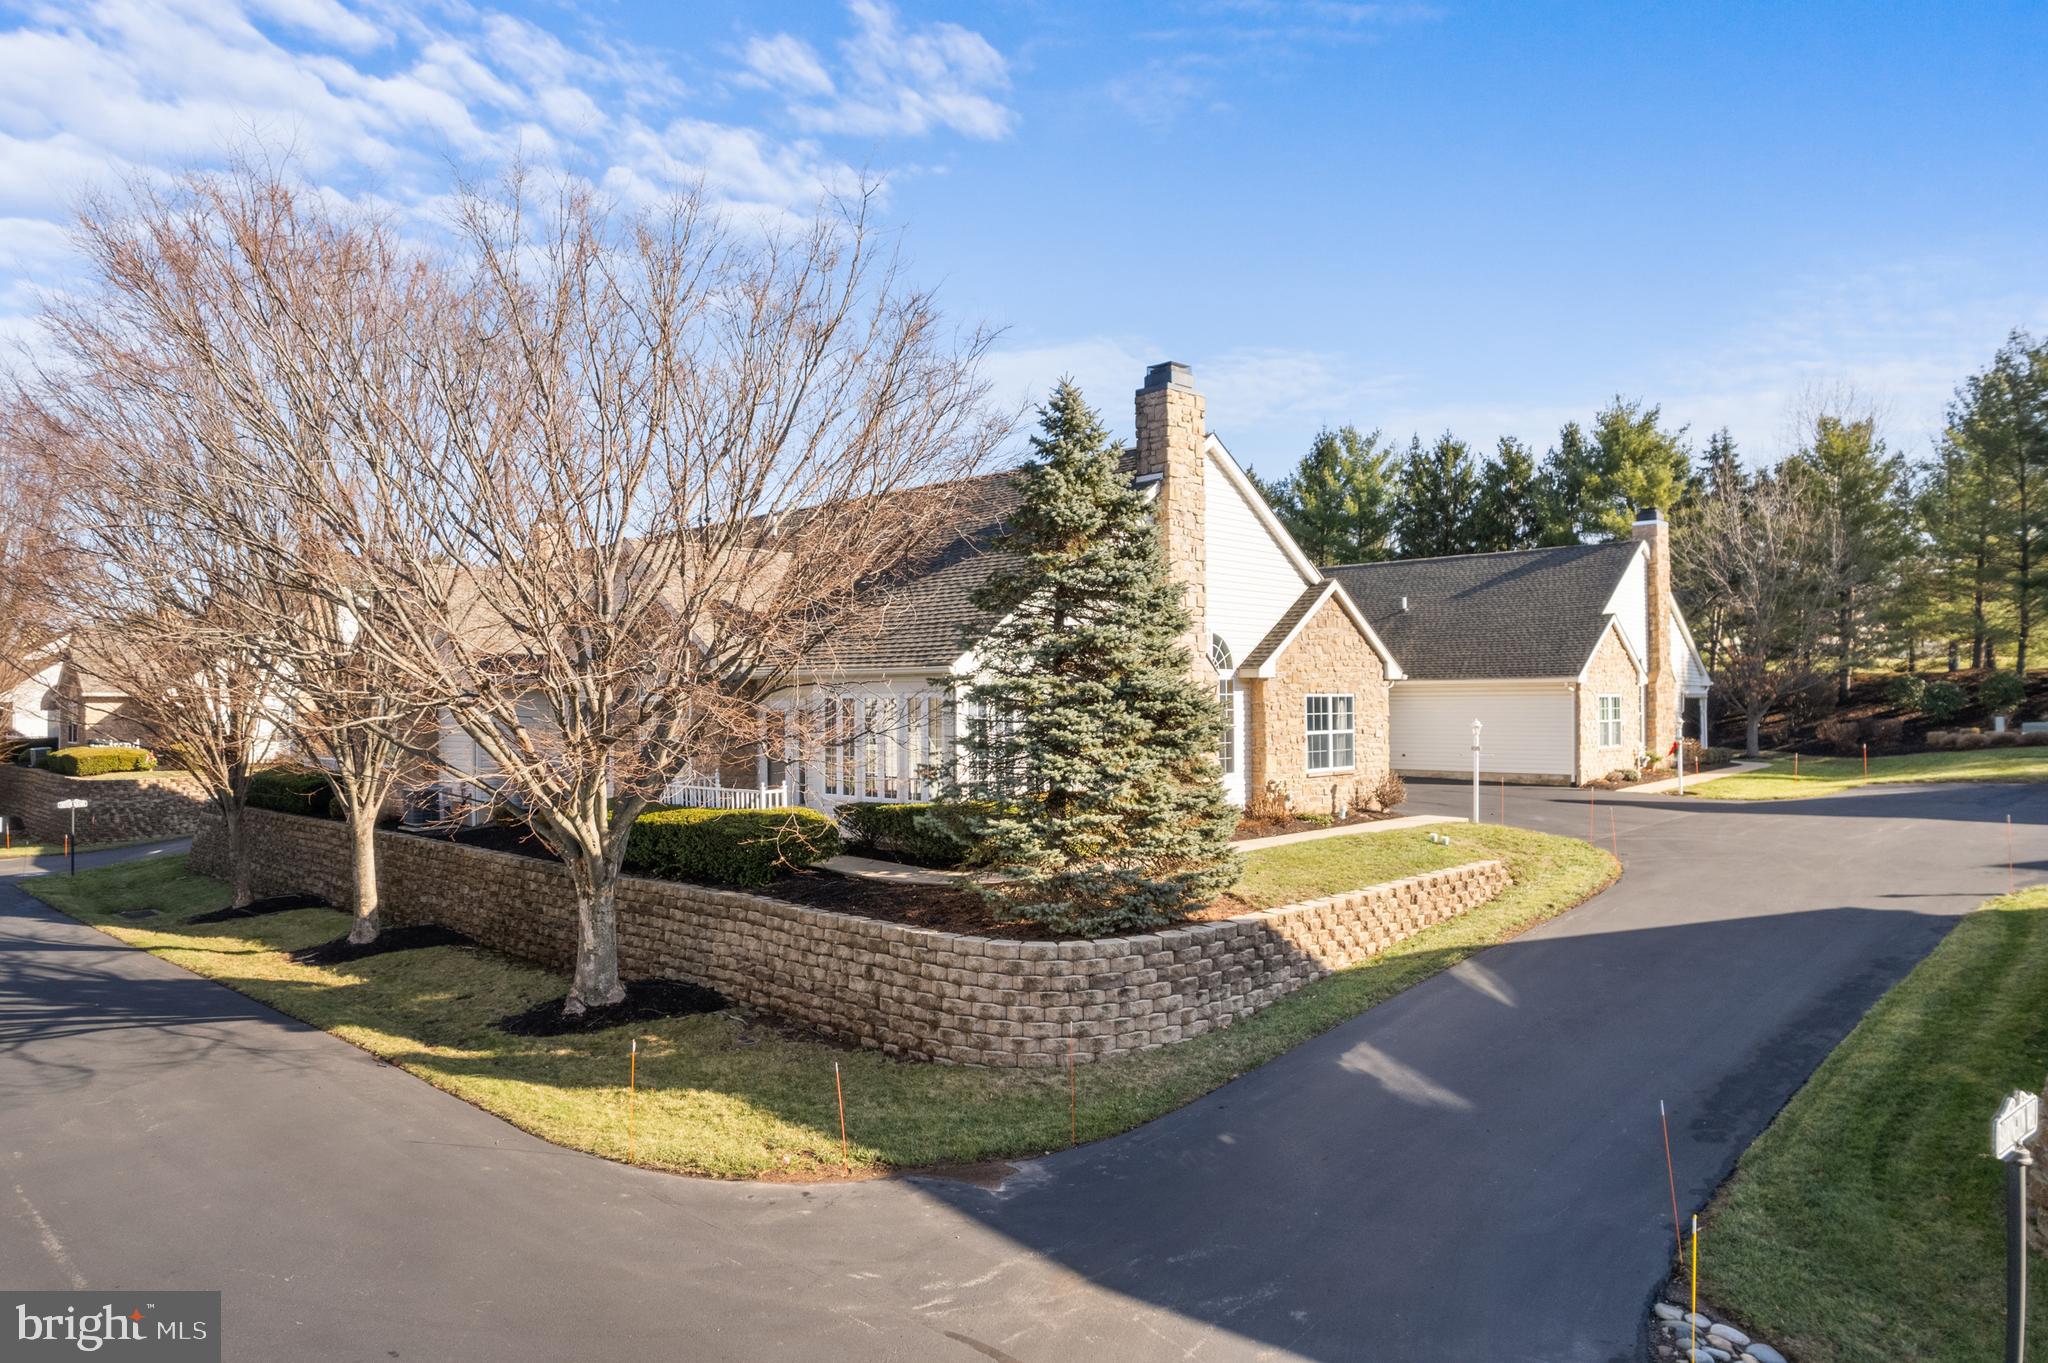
(787, 63)
(893, 80)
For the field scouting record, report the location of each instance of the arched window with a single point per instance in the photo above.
(1219, 654)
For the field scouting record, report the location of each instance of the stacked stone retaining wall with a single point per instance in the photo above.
(156, 804)
(906, 990)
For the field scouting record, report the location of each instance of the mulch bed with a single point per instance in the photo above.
(257, 908)
(645, 1001)
(1269, 828)
(341, 951)
(493, 837)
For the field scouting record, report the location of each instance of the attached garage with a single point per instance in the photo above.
(1527, 728)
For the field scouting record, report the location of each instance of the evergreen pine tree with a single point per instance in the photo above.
(1339, 501)
(1569, 475)
(1508, 514)
(1638, 464)
(1439, 499)
(1090, 749)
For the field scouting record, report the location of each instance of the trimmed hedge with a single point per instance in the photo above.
(97, 761)
(293, 790)
(728, 846)
(923, 833)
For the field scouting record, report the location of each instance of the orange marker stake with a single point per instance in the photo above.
(1671, 1177)
(840, 1088)
(1795, 766)
(1866, 759)
(632, 1091)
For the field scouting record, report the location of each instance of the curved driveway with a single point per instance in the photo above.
(1470, 1171)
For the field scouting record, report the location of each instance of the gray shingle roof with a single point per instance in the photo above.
(1285, 626)
(1527, 613)
(924, 619)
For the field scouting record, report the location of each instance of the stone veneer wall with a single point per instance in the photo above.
(160, 804)
(1172, 428)
(1330, 656)
(1612, 672)
(908, 991)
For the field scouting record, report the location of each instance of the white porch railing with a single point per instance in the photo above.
(700, 795)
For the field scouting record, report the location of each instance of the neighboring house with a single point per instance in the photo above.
(1559, 653)
(91, 709)
(1302, 675)
(32, 710)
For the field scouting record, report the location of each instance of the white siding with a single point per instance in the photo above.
(1629, 605)
(1251, 581)
(1528, 727)
(1693, 679)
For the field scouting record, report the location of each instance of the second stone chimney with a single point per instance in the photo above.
(1172, 427)
(1661, 716)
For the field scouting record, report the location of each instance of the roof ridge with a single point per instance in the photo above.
(1482, 553)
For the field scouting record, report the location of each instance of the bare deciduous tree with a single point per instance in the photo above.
(663, 458)
(33, 557)
(1760, 550)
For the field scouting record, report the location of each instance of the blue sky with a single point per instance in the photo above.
(1482, 218)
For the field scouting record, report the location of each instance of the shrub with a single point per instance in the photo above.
(293, 790)
(1811, 702)
(1268, 804)
(1942, 700)
(1906, 692)
(932, 834)
(98, 761)
(1839, 734)
(2004, 738)
(1390, 793)
(2037, 739)
(1971, 741)
(728, 846)
(2002, 693)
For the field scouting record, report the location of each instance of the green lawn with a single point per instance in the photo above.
(732, 1097)
(1831, 775)
(56, 849)
(1302, 871)
(1867, 1222)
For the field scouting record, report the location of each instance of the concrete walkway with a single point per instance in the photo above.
(1669, 784)
(891, 872)
(1471, 1171)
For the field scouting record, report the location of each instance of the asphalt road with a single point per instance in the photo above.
(1471, 1171)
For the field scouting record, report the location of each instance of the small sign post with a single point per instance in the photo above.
(2011, 1129)
(1475, 771)
(71, 838)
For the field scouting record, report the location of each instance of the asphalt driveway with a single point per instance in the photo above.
(1471, 1171)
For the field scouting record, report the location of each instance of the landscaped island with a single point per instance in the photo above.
(737, 1094)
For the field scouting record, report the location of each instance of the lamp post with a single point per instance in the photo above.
(71, 838)
(1475, 770)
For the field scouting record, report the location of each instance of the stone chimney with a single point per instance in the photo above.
(1661, 701)
(1171, 429)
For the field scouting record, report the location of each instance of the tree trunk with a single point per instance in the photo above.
(1955, 655)
(1844, 621)
(1755, 719)
(362, 849)
(241, 874)
(1912, 656)
(596, 983)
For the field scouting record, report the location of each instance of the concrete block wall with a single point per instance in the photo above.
(904, 990)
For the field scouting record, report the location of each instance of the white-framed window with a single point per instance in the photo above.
(1226, 696)
(1226, 751)
(1610, 721)
(839, 756)
(1331, 725)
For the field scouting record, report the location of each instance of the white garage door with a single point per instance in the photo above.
(1528, 729)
